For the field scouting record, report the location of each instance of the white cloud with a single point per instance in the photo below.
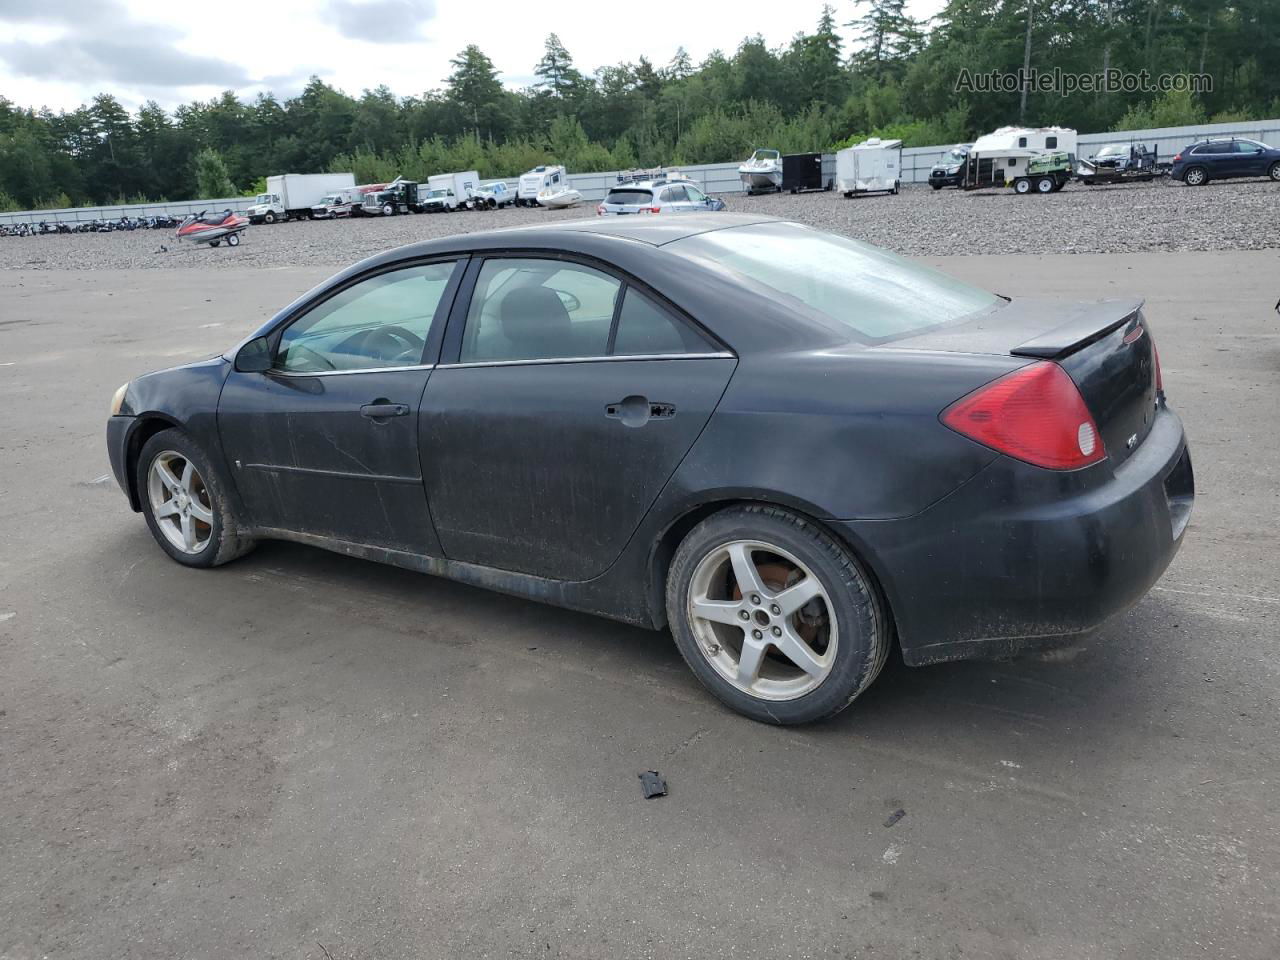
(70, 50)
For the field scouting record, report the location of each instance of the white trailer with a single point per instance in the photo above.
(1011, 141)
(538, 179)
(873, 166)
(292, 195)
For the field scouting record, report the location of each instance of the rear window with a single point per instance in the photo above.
(876, 294)
(629, 197)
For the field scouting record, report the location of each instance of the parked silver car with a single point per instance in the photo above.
(658, 196)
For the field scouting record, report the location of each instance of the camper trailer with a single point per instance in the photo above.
(1028, 159)
(536, 181)
(873, 166)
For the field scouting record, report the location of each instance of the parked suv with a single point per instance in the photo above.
(949, 171)
(658, 196)
(1224, 158)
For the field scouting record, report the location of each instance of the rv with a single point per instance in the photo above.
(1028, 159)
(537, 180)
(873, 166)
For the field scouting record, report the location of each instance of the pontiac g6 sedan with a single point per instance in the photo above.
(793, 449)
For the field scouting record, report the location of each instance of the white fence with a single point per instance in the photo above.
(714, 178)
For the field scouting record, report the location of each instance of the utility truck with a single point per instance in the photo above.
(294, 195)
(449, 191)
(546, 177)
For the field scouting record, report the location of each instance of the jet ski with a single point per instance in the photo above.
(213, 228)
(763, 171)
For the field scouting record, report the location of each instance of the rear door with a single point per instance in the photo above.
(571, 397)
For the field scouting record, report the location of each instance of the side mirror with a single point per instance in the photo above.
(254, 356)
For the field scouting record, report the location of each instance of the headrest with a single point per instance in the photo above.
(534, 316)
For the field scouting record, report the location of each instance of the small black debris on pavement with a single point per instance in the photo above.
(653, 784)
(895, 817)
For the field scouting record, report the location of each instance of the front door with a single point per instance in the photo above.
(326, 442)
(574, 397)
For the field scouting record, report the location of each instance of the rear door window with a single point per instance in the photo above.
(532, 309)
(646, 328)
(675, 195)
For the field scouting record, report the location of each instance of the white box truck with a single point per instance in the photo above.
(873, 166)
(291, 195)
(449, 191)
(537, 180)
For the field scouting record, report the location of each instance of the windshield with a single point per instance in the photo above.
(955, 155)
(262, 198)
(438, 193)
(765, 155)
(1112, 150)
(875, 293)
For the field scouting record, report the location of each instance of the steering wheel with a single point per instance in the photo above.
(388, 343)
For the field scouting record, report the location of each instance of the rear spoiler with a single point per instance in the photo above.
(1090, 324)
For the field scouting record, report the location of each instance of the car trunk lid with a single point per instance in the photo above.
(1104, 346)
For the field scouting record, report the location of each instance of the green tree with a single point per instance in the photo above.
(474, 89)
(211, 177)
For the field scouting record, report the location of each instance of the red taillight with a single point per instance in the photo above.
(1035, 414)
(1177, 157)
(600, 210)
(650, 209)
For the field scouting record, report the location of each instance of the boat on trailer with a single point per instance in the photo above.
(762, 172)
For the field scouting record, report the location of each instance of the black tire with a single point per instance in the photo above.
(233, 240)
(1022, 186)
(936, 186)
(1195, 176)
(1274, 172)
(862, 626)
(268, 217)
(214, 243)
(226, 541)
(1046, 185)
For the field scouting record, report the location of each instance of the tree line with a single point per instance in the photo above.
(879, 72)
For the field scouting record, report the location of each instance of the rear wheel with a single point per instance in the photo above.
(1195, 177)
(184, 500)
(1045, 184)
(773, 616)
(1274, 172)
(214, 243)
(1022, 185)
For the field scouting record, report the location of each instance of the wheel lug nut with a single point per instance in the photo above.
(757, 634)
(755, 598)
(743, 615)
(777, 631)
(775, 610)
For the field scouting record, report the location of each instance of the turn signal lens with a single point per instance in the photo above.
(1034, 414)
(117, 399)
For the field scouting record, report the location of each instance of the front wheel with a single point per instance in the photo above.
(774, 616)
(185, 503)
(1022, 185)
(268, 218)
(1274, 172)
(388, 210)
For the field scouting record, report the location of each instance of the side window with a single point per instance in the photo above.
(1022, 141)
(1050, 143)
(1246, 146)
(646, 328)
(676, 195)
(1215, 148)
(696, 195)
(529, 309)
(382, 321)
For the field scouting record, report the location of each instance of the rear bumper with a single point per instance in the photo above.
(1020, 558)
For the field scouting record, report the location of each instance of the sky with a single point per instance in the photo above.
(59, 53)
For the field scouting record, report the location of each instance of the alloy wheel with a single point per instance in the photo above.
(763, 620)
(180, 502)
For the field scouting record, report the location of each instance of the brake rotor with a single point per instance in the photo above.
(777, 576)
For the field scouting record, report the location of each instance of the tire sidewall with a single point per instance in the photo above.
(179, 442)
(861, 643)
(1274, 171)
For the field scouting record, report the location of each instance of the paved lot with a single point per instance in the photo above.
(301, 749)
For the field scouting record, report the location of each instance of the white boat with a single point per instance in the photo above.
(559, 198)
(762, 172)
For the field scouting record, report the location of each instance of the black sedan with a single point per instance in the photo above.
(795, 449)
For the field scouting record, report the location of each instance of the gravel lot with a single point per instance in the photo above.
(1230, 215)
